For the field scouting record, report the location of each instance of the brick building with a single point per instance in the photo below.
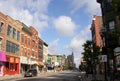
(10, 37)
(96, 27)
(25, 48)
(40, 51)
(20, 46)
(111, 23)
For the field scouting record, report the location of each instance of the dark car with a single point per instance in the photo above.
(31, 73)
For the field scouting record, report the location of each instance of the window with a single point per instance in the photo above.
(33, 53)
(25, 40)
(14, 34)
(22, 38)
(111, 25)
(0, 43)
(12, 48)
(18, 35)
(12, 67)
(28, 52)
(9, 31)
(25, 52)
(28, 41)
(1, 25)
(33, 44)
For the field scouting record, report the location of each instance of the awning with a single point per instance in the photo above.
(2, 56)
(40, 63)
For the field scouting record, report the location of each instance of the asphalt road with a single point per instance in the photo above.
(59, 76)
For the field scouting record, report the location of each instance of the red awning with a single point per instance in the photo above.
(2, 56)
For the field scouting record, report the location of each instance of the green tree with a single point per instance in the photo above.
(91, 52)
(116, 6)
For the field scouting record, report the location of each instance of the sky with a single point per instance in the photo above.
(63, 24)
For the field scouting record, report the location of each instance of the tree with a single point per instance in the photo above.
(91, 52)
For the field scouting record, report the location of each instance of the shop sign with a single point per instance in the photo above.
(23, 60)
(103, 58)
(16, 60)
(12, 59)
(117, 51)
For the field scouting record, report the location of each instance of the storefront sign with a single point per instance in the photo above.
(23, 59)
(12, 59)
(117, 51)
(17, 60)
(103, 58)
(2, 56)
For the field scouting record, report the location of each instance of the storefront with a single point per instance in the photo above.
(2, 61)
(12, 65)
(117, 57)
(27, 63)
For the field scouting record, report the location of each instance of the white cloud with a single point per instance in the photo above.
(79, 39)
(52, 48)
(91, 6)
(64, 25)
(31, 12)
(77, 42)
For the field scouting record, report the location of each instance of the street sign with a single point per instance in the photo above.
(103, 58)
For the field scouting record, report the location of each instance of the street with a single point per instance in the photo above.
(53, 76)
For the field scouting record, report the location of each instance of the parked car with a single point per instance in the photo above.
(31, 73)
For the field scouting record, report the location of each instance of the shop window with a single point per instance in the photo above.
(7, 65)
(1, 26)
(0, 43)
(12, 67)
(16, 67)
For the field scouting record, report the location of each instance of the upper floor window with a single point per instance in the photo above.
(33, 44)
(14, 34)
(12, 48)
(18, 35)
(28, 52)
(25, 40)
(33, 53)
(9, 31)
(111, 25)
(1, 26)
(0, 43)
(28, 41)
(22, 38)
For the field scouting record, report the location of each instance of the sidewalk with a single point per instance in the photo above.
(10, 77)
(17, 76)
(98, 77)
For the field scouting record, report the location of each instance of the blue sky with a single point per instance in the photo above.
(63, 24)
